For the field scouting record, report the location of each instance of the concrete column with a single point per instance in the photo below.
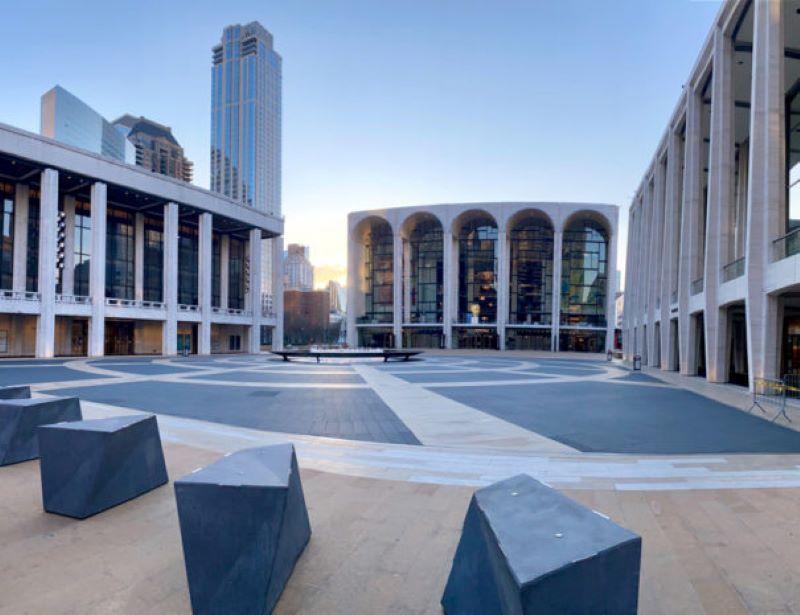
(170, 332)
(627, 316)
(224, 270)
(766, 200)
(720, 197)
(689, 215)
(448, 267)
(20, 254)
(353, 281)
(277, 289)
(503, 283)
(611, 290)
(97, 271)
(670, 248)
(648, 276)
(254, 296)
(397, 290)
(204, 282)
(48, 225)
(138, 259)
(558, 242)
(657, 260)
(68, 273)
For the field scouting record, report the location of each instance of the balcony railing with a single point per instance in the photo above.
(73, 299)
(733, 270)
(185, 307)
(19, 295)
(786, 246)
(134, 303)
(697, 286)
(231, 311)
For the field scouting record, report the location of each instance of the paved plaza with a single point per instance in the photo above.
(390, 454)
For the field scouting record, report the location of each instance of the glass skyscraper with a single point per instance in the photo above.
(246, 118)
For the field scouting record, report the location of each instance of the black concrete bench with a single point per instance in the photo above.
(525, 548)
(22, 391)
(90, 466)
(403, 355)
(21, 418)
(244, 524)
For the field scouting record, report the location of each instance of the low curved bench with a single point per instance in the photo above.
(403, 355)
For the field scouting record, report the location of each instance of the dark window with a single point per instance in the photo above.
(7, 243)
(187, 265)
(153, 282)
(83, 247)
(477, 271)
(119, 254)
(32, 257)
(426, 275)
(216, 258)
(531, 275)
(379, 276)
(235, 274)
(584, 274)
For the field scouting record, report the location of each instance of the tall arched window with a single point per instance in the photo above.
(584, 274)
(425, 277)
(531, 272)
(378, 272)
(477, 271)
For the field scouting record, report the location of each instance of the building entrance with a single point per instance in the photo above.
(187, 338)
(700, 348)
(476, 339)
(119, 337)
(657, 345)
(738, 372)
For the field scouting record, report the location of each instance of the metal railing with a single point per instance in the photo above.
(786, 246)
(19, 295)
(697, 286)
(75, 299)
(772, 393)
(185, 307)
(733, 270)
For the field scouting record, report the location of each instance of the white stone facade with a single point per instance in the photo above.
(482, 275)
(51, 305)
(713, 263)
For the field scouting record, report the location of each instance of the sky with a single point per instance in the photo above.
(389, 102)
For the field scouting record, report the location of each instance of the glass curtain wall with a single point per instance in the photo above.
(235, 274)
(83, 248)
(584, 274)
(378, 273)
(7, 243)
(153, 282)
(426, 275)
(187, 265)
(531, 274)
(477, 271)
(119, 254)
(32, 257)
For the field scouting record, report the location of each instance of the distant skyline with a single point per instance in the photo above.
(389, 104)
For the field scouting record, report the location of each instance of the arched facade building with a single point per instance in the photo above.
(524, 276)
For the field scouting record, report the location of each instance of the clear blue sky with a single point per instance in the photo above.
(388, 102)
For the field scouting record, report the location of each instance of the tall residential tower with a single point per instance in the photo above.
(246, 139)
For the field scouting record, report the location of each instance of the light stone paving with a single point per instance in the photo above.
(461, 444)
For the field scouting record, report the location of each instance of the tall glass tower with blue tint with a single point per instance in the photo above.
(246, 118)
(246, 141)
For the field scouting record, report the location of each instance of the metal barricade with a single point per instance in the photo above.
(771, 393)
(792, 382)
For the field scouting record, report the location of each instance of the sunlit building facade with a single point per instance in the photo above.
(713, 266)
(509, 276)
(98, 257)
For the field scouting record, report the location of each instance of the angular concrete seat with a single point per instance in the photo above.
(16, 391)
(20, 419)
(90, 466)
(525, 548)
(244, 524)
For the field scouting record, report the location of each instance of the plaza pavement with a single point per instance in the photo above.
(388, 492)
